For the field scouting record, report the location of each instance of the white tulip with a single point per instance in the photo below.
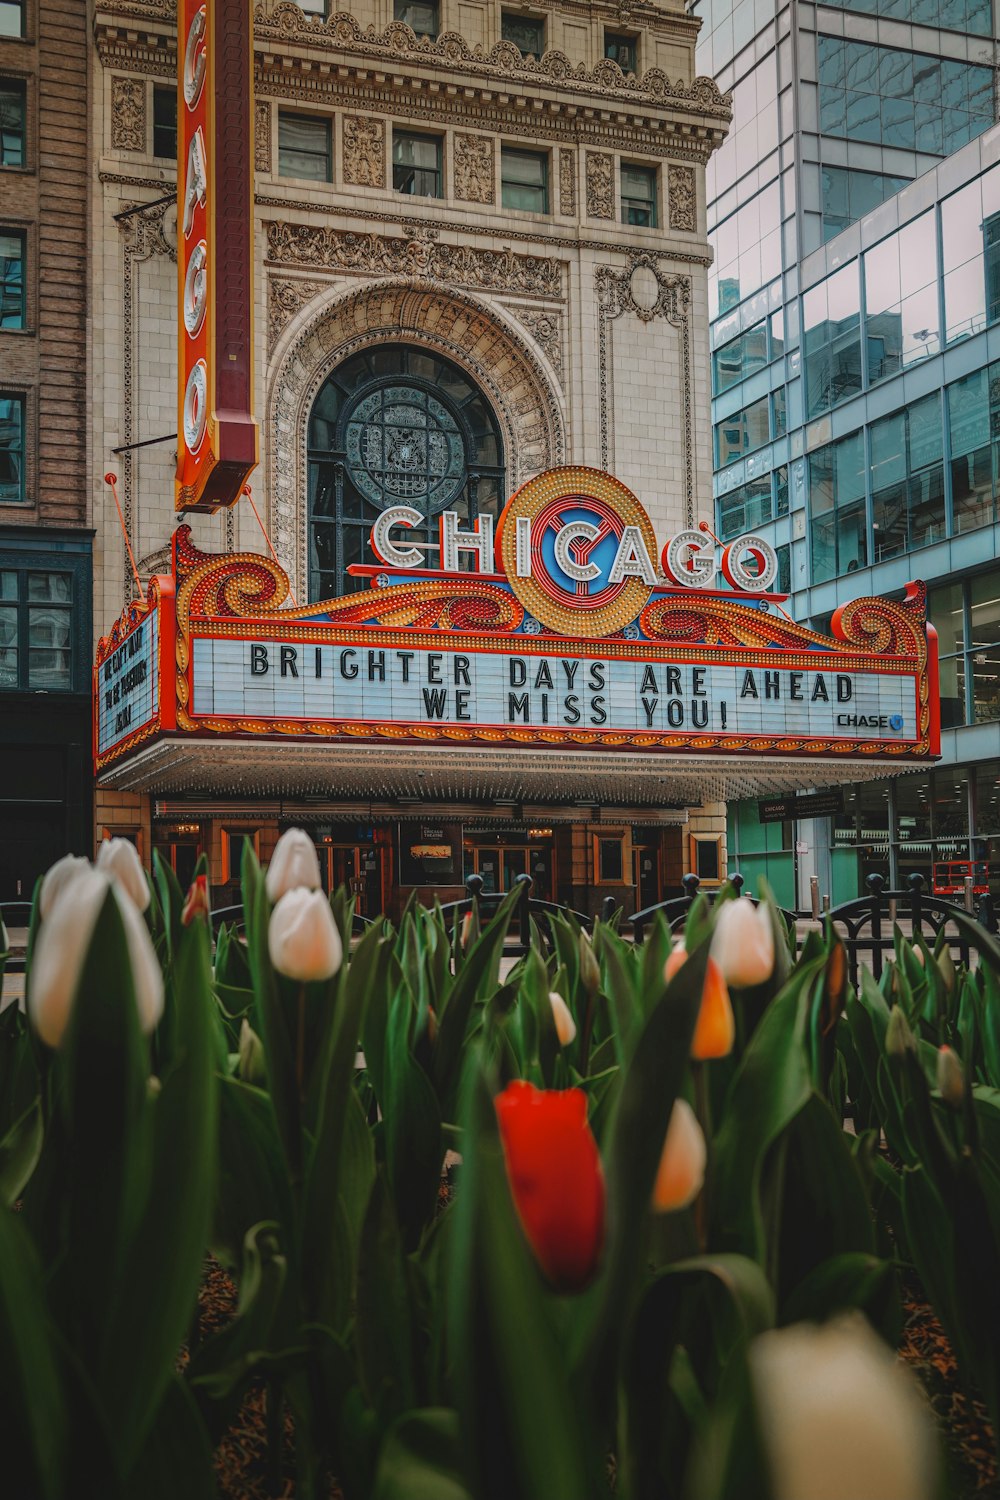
(294, 864)
(743, 943)
(302, 938)
(61, 949)
(840, 1416)
(118, 859)
(69, 868)
(681, 1173)
(565, 1025)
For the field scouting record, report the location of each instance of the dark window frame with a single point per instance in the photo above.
(66, 555)
(437, 172)
(401, 7)
(21, 7)
(509, 152)
(163, 130)
(19, 398)
(618, 41)
(510, 20)
(628, 203)
(322, 121)
(19, 233)
(17, 88)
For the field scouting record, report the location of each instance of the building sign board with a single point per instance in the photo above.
(561, 629)
(216, 433)
(823, 804)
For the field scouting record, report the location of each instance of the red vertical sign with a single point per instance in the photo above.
(217, 433)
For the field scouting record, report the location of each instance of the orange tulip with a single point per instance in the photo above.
(715, 1029)
(556, 1180)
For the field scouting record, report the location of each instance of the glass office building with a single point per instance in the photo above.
(855, 305)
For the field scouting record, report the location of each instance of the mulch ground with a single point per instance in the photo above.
(243, 1469)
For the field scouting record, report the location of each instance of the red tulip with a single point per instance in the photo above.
(196, 903)
(555, 1177)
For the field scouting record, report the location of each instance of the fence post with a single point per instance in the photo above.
(737, 882)
(608, 908)
(814, 896)
(969, 897)
(524, 883)
(916, 884)
(690, 884)
(876, 884)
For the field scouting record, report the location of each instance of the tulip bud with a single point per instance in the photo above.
(840, 1416)
(590, 969)
(715, 1028)
(250, 1063)
(302, 937)
(463, 936)
(196, 903)
(61, 948)
(681, 1173)
(565, 1025)
(119, 860)
(743, 943)
(898, 1036)
(294, 863)
(556, 1180)
(950, 1078)
(946, 968)
(57, 878)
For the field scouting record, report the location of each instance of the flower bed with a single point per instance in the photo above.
(666, 1268)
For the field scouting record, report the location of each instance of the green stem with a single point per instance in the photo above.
(300, 1045)
(703, 1111)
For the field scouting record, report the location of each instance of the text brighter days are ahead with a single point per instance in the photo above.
(278, 680)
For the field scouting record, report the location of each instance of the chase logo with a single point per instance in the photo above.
(896, 722)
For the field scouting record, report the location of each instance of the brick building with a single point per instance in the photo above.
(45, 515)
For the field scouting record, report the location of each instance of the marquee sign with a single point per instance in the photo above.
(565, 631)
(216, 433)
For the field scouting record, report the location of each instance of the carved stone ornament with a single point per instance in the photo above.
(681, 199)
(567, 182)
(128, 114)
(476, 335)
(474, 173)
(450, 51)
(546, 328)
(262, 136)
(321, 246)
(364, 151)
(600, 185)
(284, 300)
(644, 289)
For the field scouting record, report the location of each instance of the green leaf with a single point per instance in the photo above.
(420, 1459)
(176, 1458)
(158, 1292)
(850, 1279)
(252, 1182)
(523, 1431)
(771, 1085)
(384, 1333)
(270, 1022)
(476, 980)
(19, 1152)
(32, 1412)
(414, 1146)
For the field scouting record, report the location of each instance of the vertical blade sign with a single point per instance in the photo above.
(217, 433)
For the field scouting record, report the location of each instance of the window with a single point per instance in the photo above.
(12, 112)
(784, 579)
(524, 179)
(907, 479)
(416, 164)
(12, 17)
(304, 147)
(831, 317)
(752, 505)
(958, 15)
(624, 50)
(838, 539)
(904, 99)
(526, 32)
(639, 196)
(742, 432)
(36, 628)
(12, 303)
(848, 195)
(706, 857)
(739, 358)
(901, 299)
(970, 250)
(395, 424)
(313, 8)
(974, 428)
(12, 490)
(422, 17)
(609, 860)
(234, 841)
(165, 122)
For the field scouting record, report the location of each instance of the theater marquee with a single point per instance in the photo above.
(563, 631)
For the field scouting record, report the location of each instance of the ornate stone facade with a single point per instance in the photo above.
(600, 185)
(128, 114)
(262, 136)
(682, 202)
(567, 182)
(474, 168)
(364, 151)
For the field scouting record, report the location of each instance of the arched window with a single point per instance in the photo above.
(395, 425)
